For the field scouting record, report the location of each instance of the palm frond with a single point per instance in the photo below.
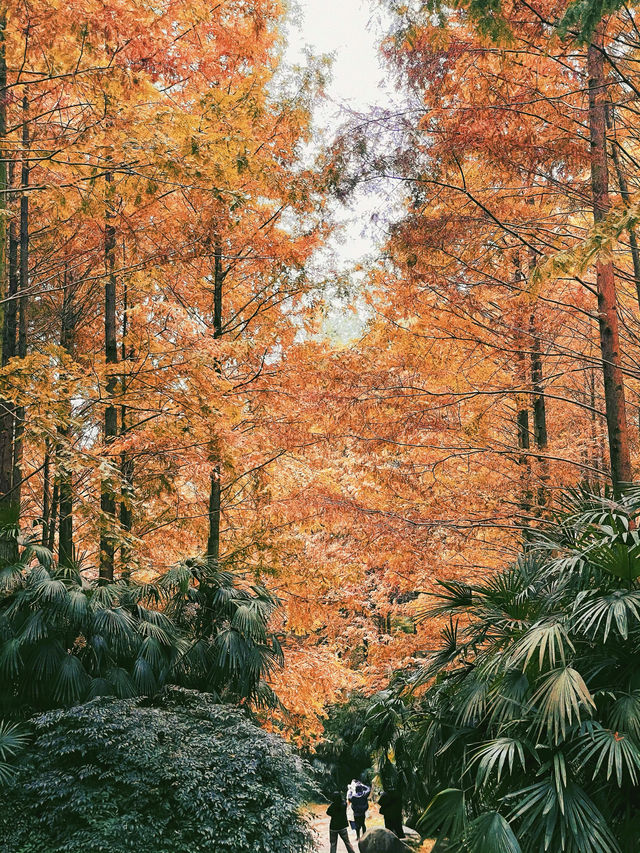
(620, 609)
(562, 698)
(608, 750)
(491, 833)
(445, 816)
(13, 739)
(71, 680)
(547, 639)
(498, 755)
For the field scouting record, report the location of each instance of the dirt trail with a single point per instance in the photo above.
(320, 823)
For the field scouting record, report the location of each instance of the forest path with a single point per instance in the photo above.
(320, 824)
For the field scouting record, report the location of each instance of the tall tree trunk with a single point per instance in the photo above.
(126, 463)
(522, 419)
(23, 303)
(9, 507)
(215, 488)
(107, 497)
(65, 479)
(46, 492)
(607, 303)
(10, 326)
(54, 517)
(539, 414)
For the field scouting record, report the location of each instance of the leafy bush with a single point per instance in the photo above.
(179, 776)
(66, 638)
(521, 732)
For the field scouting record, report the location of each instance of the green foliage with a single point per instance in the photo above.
(578, 19)
(180, 775)
(341, 756)
(65, 638)
(521, 732)
(13, 740)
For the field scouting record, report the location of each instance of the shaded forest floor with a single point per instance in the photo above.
(320, 824)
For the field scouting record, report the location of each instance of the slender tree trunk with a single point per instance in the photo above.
(46, 492)
(607, 302)
(54, 516)
(9, 507)
(107, 497)
(10, 329)
(65, 478)
(126, 463)
(215, 489)
(4, 189)
(539, 414)
(23, 303)
(522, 420)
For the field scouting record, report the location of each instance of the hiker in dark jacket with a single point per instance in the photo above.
(359, 799)
(337, 811)
(390, 803)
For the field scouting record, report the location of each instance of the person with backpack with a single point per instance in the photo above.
(337, 811)
(359, 799)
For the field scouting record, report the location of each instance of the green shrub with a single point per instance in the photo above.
(180, 775)
(520, 733)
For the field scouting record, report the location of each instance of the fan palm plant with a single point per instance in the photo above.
(66, 638)
(12, 741)
(521, 731)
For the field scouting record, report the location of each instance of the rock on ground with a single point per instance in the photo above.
(382, 841)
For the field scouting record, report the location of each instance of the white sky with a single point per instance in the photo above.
(350, 30)
(346, 28)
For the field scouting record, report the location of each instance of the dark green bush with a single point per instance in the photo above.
(180, 775)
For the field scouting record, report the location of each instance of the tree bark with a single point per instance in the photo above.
(540, 436)
(23, 302)
(65, 478)
(107, 497)
(126, 463)
(614, 391)
(46, 495)
(213, 541)
(9, 507)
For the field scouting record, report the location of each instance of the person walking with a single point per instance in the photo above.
(359, 799)
(338, 824)
(390, 803)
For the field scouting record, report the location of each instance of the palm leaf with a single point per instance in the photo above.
(561, 698)
(491, 833)
(12, 739)
(619, 608)
(496, 755)
(625, 714)
(609, 750)
(547, 639)
(445, 816)
(71, 680)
